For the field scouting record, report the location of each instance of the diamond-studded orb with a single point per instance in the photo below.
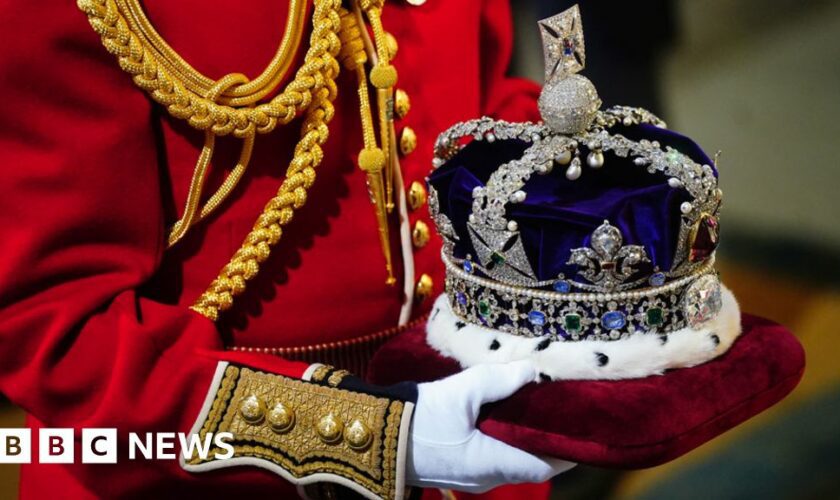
(569, 105)
(702, 300)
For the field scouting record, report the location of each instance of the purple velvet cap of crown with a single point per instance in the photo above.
(559, 214)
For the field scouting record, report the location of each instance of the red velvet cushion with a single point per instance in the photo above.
(628, 423)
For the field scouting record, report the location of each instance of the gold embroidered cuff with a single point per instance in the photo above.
(306, 432)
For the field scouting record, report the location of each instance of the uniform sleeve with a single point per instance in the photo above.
(504, 97)
(81, 232)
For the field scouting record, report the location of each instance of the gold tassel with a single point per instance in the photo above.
(372, 159)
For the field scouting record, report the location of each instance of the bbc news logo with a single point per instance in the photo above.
(100, 446)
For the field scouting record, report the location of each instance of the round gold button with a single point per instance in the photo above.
(391, 43)
(423, 290)
(416, 195)
(408, 141)
(281, 418)
(420, 234)
(402, 104)
(358, 436)
(252, 409)
(329, 428)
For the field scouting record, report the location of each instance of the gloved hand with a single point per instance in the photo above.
(447, 451)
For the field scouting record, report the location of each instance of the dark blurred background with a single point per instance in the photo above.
(760, 81)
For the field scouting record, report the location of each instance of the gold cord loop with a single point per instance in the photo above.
(191, 213)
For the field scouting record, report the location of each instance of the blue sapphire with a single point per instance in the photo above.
(461, 298)
(468, 267)
(562, 286)
(536, 318)
(613, 320)
(657, 279)
(568, 46)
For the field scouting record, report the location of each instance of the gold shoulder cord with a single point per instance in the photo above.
(231, 105)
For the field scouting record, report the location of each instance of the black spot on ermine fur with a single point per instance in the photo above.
(495, 345)
(603, 359)
(663, 339)
(460, 324)
(544, 377)
(715, 339)
(543, 345)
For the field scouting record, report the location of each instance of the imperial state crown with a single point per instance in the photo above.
(594, 229)
(586, 243)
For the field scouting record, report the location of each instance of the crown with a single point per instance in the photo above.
(594, 224)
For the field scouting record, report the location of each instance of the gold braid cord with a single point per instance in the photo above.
(141, 61)
(300, 175)
(268, 229)
(127, 34)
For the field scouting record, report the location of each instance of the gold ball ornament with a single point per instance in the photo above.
(408, 141)
(252, 409)
(402, 103)
(372, 160)
(383, 76)
(281, 418)
(391, 43)
(357, 435)
(329, 428)
(420, 234)
(416, 195)
(423, 289)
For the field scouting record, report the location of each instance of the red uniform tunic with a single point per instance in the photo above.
(95, 329)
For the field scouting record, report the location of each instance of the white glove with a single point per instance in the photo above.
(447, 451)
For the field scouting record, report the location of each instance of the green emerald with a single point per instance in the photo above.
(654, 316)
(483, 308)
(498, 258)
(572, 323)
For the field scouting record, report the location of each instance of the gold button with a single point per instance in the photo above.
(281, 418)
(408, 141)
(416, 195)
(391, 43)
(420, 234)
(423, 290)
(252, 409)
(358, 436)
(329, 428)
(402, 104)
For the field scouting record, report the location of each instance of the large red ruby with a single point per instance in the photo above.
(704, 239)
